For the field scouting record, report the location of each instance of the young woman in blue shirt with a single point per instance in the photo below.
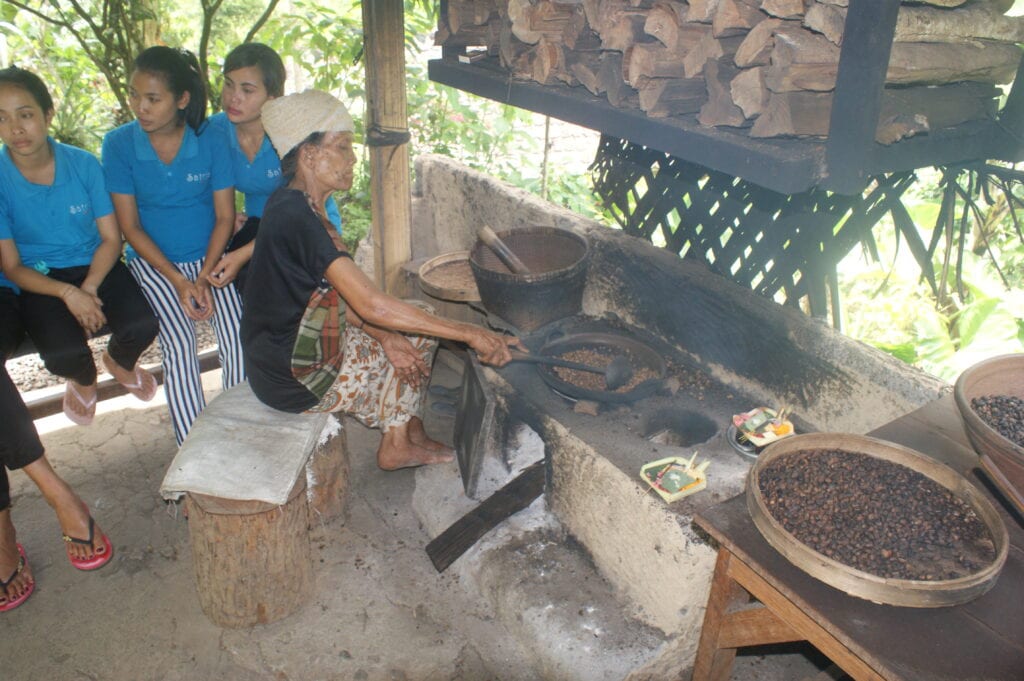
(253, 75)
(171, 183)
(61, 246)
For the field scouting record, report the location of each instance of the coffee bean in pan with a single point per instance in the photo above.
(1004, 413)
(875, 515)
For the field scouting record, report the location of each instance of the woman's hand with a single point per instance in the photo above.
(409, 366)
(85, 307)
(195, 298)
(226, 269)
(493, 348)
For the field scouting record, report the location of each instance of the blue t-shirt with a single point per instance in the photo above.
(257, 179)
(54, 226)
(175, 200)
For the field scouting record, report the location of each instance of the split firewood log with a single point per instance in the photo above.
(610, 75)
(720, 108)
(663, 22)
(510, 48)
(828, 20)
(980, 20)
(757, 45)
(735, 17)
(586, 67)
(909, 64)
(619, 22)
(905, 111)
(653, 60)
(783, 9)
(707, 48)
(749, 91)
(661, 97)
(702, 11)
(519, 12)
(464, 13)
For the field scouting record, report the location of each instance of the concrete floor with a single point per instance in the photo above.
(379, 611)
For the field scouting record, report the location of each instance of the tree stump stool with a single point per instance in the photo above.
(253, 479)
(252, 560)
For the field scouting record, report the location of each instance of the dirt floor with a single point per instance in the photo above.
(379, 611)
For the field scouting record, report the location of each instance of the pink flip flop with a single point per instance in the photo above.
(71, 393)
(12, 603)
(144, 387)
(98, 560)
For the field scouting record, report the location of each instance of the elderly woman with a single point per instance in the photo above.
(317, 334)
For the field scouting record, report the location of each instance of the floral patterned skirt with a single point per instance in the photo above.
(367, 386)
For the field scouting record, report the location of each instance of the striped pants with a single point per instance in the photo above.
(182, 382)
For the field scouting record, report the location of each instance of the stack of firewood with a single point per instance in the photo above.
(766, 66)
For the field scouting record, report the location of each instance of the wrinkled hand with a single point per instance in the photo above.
(409, 366)
(226, 269)
(493, 348)
(195, 297)
(85, 307)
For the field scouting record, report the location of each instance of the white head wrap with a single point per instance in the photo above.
(290, 119)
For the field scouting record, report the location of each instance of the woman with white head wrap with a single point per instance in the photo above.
(317, 334)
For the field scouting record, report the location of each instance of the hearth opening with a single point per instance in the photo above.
(679, 427)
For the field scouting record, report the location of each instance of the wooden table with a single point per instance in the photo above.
(983, 639)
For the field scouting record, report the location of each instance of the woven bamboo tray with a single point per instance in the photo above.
(903, 592)
(449, 277)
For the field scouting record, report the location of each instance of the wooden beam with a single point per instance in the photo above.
(867, 42)
(390, 184)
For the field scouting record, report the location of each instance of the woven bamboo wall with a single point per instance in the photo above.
(785, 247)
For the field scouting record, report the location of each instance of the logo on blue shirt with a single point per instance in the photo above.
(79, 208)
(197, 177)
(273, 172)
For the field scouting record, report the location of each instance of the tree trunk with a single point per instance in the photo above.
(252, 561)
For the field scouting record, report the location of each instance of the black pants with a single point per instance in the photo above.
(241, 238)
(19, 441)
(61, 341)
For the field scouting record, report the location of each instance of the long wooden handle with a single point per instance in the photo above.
(502, 250)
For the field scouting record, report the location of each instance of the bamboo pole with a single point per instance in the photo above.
(391, 202)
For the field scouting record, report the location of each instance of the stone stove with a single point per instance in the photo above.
(730, 349)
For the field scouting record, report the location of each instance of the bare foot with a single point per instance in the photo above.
(418, 435)
(398, 450)
(9, 558)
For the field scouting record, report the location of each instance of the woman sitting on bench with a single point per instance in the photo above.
(20, 448)
(61, 245)
(319, 336)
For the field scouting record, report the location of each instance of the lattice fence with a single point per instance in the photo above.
(785, 247)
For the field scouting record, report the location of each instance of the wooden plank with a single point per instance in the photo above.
(390, 182)
(446, 548)
(755, 626)
(864, 56)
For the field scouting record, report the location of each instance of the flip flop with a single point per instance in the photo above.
(11, 604)
(98, 560)
(144, 387)
(71, 393)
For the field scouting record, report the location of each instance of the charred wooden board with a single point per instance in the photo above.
(448, 546)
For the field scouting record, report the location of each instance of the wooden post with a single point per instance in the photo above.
(390, 186)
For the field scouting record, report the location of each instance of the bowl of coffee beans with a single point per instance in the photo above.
(877, 520)
(990, 397)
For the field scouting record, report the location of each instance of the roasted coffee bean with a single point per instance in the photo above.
(875, 515)
(1004, 413)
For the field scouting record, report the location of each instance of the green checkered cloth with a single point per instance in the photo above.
(318, 350)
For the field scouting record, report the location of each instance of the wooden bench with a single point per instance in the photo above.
(254, 479)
